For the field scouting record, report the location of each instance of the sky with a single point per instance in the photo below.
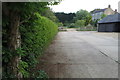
(72, 6)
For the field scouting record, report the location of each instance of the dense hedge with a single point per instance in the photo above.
(36, 36)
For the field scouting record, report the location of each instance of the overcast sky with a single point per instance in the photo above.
(68, 6)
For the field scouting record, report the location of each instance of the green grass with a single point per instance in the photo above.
(87, 30)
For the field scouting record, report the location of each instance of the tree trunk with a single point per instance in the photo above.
(14, 42)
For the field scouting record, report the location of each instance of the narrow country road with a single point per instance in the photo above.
(81, 55)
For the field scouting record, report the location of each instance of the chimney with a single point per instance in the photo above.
(115, 11)
(109, 6)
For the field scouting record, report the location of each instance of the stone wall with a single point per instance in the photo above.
(90, 28)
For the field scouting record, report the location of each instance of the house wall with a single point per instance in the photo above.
(96, 16)
(109, 11)
(109, 27)
(118, 27)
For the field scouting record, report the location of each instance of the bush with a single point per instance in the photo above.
(80, 23)
(36, 36)
(72, 25)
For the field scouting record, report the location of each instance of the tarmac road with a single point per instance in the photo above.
(82, 54)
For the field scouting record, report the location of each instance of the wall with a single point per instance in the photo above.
(109, 11)
(109, 27)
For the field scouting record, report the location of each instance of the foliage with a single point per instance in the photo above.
(64, 17)
(95, 22)
(36, 35)
(103, 15)
(87, 28)
(80, 23)
(88, 19)
(49, 14)
(41, 74)
(24, 9)
(60, 24)
(66, 24)
(72, 25)
(83, 15)
(68, 18)
(22, 68)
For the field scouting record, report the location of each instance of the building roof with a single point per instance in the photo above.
(97, 11)
(111, 18)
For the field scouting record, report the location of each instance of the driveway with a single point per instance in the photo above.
(75, 54)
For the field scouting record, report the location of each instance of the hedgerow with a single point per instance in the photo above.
(36, 34)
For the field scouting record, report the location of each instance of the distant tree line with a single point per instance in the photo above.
(80, 18)
(65, 17)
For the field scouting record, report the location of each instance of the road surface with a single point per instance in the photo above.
(87, 54)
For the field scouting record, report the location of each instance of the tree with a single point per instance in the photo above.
(103, 15)
(83, 15)
(64, 17)
(88, 19)
(94, 22)
(14, 15)
(60, 24)
(80, 23)
(49, 14)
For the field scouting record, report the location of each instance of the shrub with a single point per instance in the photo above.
(80, 23)
(36, 36)
(72, 25)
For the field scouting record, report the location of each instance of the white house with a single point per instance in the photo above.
(97, 13)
